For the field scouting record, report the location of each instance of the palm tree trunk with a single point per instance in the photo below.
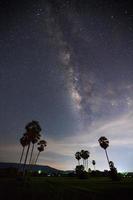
(83, 162)
(87, 165)
(30, 164)
(31, 154)
(26, 159)
(37, 157)
(78, 162)
(21, 158)
(107, 157)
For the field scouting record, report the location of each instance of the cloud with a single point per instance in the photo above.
(119, 133)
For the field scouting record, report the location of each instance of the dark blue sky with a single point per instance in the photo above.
(69, 65)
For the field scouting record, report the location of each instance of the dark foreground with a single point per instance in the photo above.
(63, 188)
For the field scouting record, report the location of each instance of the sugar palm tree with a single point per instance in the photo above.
(33, 133)
(82, 154)
(78, 156)
(33, 130)
(35, 140)
(33, 126)
(104, 143)
(42, 144)
(26, 156)
(94, 163)
(24, 143)
(86, 156)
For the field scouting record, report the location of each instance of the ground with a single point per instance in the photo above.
(66, 188)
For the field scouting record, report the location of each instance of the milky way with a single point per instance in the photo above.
(96, 52)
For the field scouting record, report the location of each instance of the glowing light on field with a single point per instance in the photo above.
(39, 171)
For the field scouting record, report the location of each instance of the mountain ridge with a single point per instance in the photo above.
(45, 168)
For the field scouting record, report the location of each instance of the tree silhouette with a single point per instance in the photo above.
(33, 134)
(42, 144)
(82, 154)
(94, 163)
(33, 130)
(85, 155)
(79, 168)
(33, 143)
(24, 143)
(113, 171)
(104, 143)
(26, 156)
(78, 156)
(80, 172)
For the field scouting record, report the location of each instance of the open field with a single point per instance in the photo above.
(64, 188)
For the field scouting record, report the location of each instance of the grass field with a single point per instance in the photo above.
(64, 188)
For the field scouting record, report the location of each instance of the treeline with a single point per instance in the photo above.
(11, 172)
(82, 170)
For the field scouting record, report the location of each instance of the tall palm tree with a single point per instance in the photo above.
(94, 163)
(24, 143)
(42, 144)
(78, 156)
(33, 130)
(26, 156)
(104, 143)
(86, 156)
(82, 154)
(35, 140)
(33, 133)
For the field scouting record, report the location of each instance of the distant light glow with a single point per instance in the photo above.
(39, 171)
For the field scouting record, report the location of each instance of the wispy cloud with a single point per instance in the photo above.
(119, 133)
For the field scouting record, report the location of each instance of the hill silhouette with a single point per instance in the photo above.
(47, 169)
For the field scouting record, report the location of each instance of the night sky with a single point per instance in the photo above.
(69, 65)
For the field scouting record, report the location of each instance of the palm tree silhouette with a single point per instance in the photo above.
(26, 156)
(94, 163)
(82, 154)
(24, 143)
(42, 144)
(33, 143)
(86, 156)
(78, 156)
(33, 130)
(33, 133)
(104, 143)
